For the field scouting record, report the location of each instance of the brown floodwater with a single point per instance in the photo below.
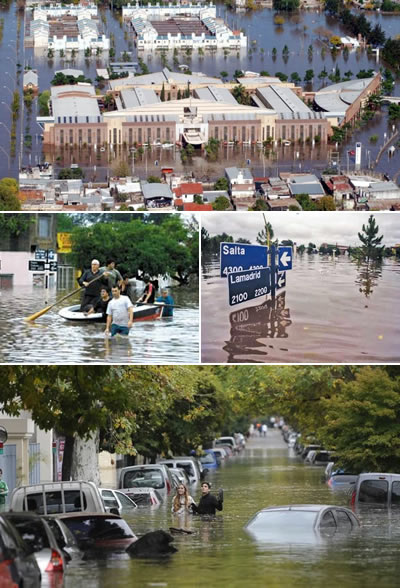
(329, 311)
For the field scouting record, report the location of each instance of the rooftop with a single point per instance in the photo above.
(282, 100)
(337, 97)
(132, 97)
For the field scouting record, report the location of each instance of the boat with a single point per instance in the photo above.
(141, 312)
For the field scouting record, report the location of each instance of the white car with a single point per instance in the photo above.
(117, 500)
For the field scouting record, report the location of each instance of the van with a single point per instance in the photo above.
(377, 489)
(155, 475)
(57, 498)
(191, 465)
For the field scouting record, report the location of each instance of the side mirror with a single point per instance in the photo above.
(114, 510)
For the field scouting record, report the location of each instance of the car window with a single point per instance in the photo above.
(207, 458)
(142, 499)
(98, 528)
(110, 501)
(144, 478)
(8, 539)
(343, 520)
(125, 501)
(373, 491)
(284, 519)
(188, 467)
(32, 532)
(59, 537)
(396, 493)
(328, 520)
(72, 500)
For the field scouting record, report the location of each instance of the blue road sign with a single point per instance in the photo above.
(285, 258)
(236, 257)
(249, 284)
(280, 279)
(40, 254)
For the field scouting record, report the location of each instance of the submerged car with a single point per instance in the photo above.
(155, 476)
(377, 489)
(116, 500)
(209, 459)
(302, 523)
(144, 497)
(17, 560)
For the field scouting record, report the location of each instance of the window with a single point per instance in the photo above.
(234, 137)
(71, 136)
(98, 527)
(268, 131)
(310, 133)
(119, 137)
(328, 521)
(168, 134)
(140, 135)
(98, 140)
(89, 136)
(125, 501)
(53, 501)
(343, 519)
(130, 133)
(373, 491)
(80, 136)
(144, 478)
(109, 499)
(302, 132)
(216, 129)
(283, 131)
(44, 227)
(114, 136)
(253, 133)
(225, 133)
(158, 133)
(62, 137)
(292, 133)
(243, 134)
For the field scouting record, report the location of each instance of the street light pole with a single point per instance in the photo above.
(7, 155)
(5, 104)
(7, 88)
(6, 127)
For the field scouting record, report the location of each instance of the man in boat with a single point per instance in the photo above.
(149, 292)
(92, 290)
(101, 303)
(208, 503)
(114, 277)
(168, 301)
(119, 314)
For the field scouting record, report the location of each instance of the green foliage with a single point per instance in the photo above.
(371, 244)
(221, 184)
(260, 204)
(8, 200)
(394, 111)
(154, 180)
(265, 237)
(43, 102)
(286, 5)
(221, 203)
(282, 76)
(61, 79)
(241, 95)
(70, 173)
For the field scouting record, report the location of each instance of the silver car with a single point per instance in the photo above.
(117, 500)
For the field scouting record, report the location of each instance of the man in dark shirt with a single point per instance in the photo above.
(149, 292)
(92, 290)
(101, 303)
(208, 504)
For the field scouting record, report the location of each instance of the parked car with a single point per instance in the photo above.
(39, 538)
(180, 475)
(308, 448)
(228, 450)
(17, 560)
(209, 459)
(377, 489)
(155, 476)
(219, 453)
(96, 531)
(342, 480)
(189, 464)
(57, 497)
(292, 439)
(113, 499)
(227, 441)
(144, 496)
(65, 539)
(298, 523)
(319, 458)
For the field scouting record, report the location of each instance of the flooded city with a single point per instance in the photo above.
(221, 553)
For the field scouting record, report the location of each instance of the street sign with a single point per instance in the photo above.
(285, 258)
(51, 254)
(248, 284)
(236, 257)
(280, 279)
(36, 266)
(53, 266)
(40, 254)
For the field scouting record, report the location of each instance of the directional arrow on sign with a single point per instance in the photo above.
(280, 279)
(284, 258)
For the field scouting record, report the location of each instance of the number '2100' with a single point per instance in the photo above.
(236, 298)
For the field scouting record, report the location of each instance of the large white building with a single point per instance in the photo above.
(164, 11)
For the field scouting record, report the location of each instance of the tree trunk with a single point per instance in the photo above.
(67, 457)
(85, 464)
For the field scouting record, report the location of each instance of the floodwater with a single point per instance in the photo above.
(298, 33)
(220, 554)
(330, 311)
(51, 339)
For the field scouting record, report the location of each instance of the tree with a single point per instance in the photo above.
(223, 74)
(221, 184)
(260, 204)
(241, 95)
(121, 169)
(326, 203)
(9, 194)
(309, 75)
(295, 78)
(43, 102)
(265, 236)
(286, 5)
(154, 180)
(371, 244)
(282, 76)
(162, 94)
(221, 203)
(305, 202)
(68, 173)
(335, 40)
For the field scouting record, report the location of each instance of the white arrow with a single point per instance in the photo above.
(285, 258)
(281, 280)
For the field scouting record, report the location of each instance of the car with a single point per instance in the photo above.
(191, 466)
(227, 441)
(228, 450)
(342, 480)
(219, 453)
(308, 448)
(117, 500)
(65, 539)
(300, 523)
(144, 497)
(57, 497)
(376, 489)
(180, 475)
(319, 458)
(98, 532)
(209, 459)
(292, 440)
(17, 559)
(36, 533)
(155, 476)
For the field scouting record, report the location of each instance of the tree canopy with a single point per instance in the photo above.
(9, 194)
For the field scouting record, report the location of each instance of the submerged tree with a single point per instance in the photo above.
(371, 244)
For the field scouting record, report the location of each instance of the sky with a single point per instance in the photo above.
(303, 227)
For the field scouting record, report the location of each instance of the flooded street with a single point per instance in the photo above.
(330, 311)
(220, 553)
(51, 339)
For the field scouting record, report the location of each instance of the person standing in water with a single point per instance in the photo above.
(182, 501)
(208, 504)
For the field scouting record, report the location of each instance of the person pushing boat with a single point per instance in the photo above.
(119, 314)
(168, 301)
(93, 281)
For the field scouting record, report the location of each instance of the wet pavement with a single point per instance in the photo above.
(220, 554)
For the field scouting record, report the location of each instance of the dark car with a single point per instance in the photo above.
(97, 531)
(16, 559)
(304, 523)
(65, 539)
(36, 533)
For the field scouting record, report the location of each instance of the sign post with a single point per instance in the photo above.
(248, 284)
(236, 257)
(44, 262)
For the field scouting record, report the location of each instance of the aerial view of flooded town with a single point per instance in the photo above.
(241, 105)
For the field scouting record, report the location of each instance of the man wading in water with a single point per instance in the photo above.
(208, 504)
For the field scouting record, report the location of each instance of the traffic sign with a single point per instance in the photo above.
(236, 257)
(36, 266)
(40, 254)
(51, 254)
(280, 279)
(285, 258)
(53, 266)
(249, 284)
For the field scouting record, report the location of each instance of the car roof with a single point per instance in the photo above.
(85, 515)
(22, 514)
(378, 475)
(300, 507)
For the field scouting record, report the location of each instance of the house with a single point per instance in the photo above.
(284, 204)
(241, 182)
(156, 195)
(304, 184)
(31, 81)
(193, 207)
(188, 190)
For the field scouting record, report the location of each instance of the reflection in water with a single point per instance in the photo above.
(268, 320)
(368, 276)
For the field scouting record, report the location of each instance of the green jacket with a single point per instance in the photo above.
(3, 491)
